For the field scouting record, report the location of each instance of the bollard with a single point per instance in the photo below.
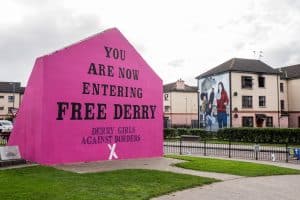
(180, 146)
(229, 149)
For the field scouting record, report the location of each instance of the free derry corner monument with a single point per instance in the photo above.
(94, 100)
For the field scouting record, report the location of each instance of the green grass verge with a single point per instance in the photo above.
(46, 183)
(231, 167)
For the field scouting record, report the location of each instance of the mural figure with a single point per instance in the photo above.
(214, 102)
(211, 101)
(222, 102)
(210, 120)
(207, 84)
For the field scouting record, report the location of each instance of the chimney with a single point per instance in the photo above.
(180, 84)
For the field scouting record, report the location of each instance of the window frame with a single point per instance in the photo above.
(269, 123)
(9, 109)
(282, 104)
(264, 81)
(10, 99)
(243, 82)
(281, 86)
(251, 118)
(250, 104)
(166, 96)
(167, 108)
(264, 101)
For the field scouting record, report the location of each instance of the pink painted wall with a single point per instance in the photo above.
(59, 77)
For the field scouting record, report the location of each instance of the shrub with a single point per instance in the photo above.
(170, 133)
(182, 131)
(255, 135)
(260, 135)
(198, 132)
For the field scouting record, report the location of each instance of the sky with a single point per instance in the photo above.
(178, 39)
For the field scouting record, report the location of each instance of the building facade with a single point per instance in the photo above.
(180, 105)
(247, 93)
(290, 84)
(11, 94)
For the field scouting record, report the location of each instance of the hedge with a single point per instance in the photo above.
(170, 133)
(261, 135)
(257, 135)
(182, 131)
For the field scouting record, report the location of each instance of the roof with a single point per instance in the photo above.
(171, 87)
(10, 87)
(240, 65)
(290, 72)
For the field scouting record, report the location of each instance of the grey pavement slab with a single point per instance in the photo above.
(259, 188)
(19, 166)
(164, 164)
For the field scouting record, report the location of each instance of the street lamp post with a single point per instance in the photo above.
(186, 111)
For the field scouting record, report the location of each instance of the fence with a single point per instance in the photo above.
(251, 151)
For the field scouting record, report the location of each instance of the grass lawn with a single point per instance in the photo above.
(49, 183)
(231, 167)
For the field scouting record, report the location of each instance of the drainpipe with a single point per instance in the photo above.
(230, 100)
(278, 100)
(198, 103)
(171, 106)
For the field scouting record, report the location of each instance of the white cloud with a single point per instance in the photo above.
(192, 35)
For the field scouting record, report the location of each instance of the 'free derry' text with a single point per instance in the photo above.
(97, 111)
(123, 110)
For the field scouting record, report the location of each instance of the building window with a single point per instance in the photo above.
(269, 122)
(1, 97)
(261, 81)
(247, 122)
(9, 109)
(247, 101)
(11, 98)
(2, 108)
(167, 108)
(246, 82)
(261, 101)
(166, 96)
(281, 87)
(282, 104)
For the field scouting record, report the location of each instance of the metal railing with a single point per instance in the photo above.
(250, 151)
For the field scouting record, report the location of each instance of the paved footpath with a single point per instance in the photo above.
(260, 188)
(257, 188)
(232, 187)
(164, 164)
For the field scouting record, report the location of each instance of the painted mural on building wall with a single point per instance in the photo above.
(214, 102)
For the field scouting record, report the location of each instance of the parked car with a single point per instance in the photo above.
(5, 126)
